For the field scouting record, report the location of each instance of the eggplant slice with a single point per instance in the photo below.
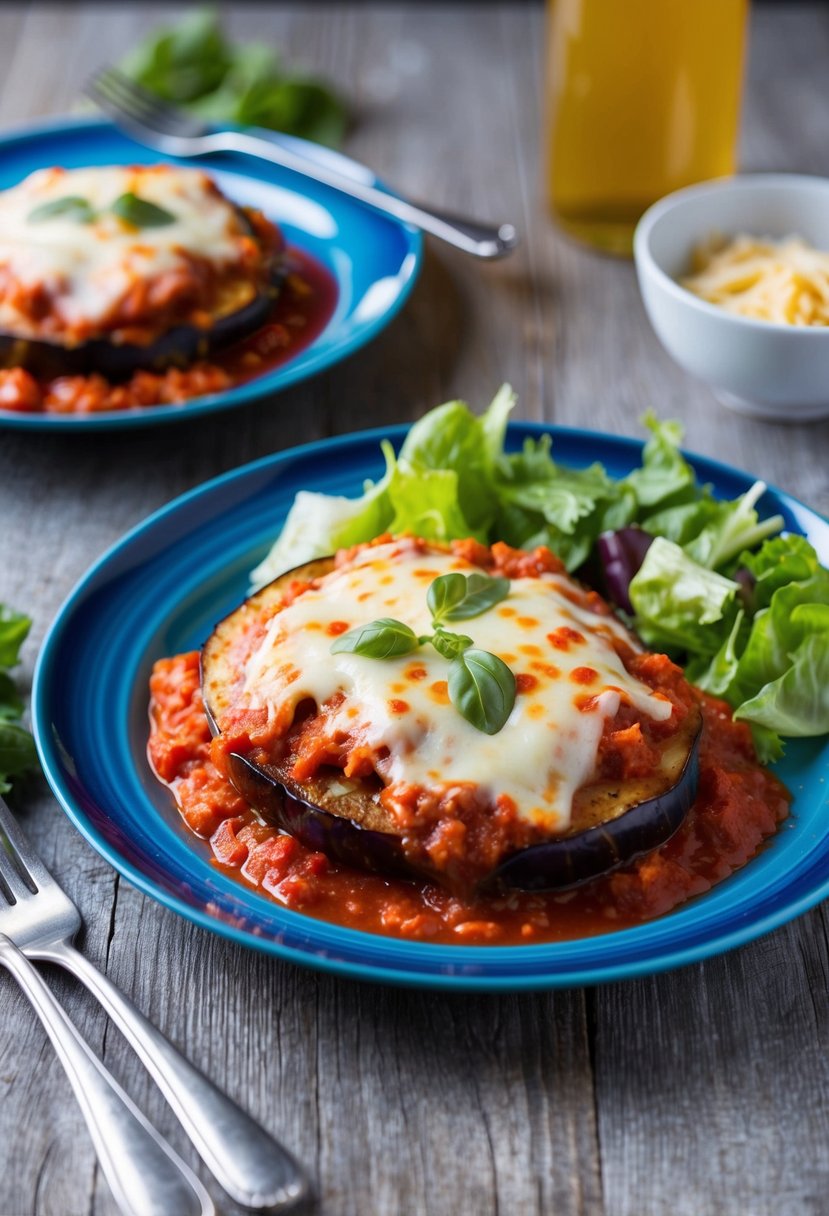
(616, 821)
(175, 348)
(243, 308)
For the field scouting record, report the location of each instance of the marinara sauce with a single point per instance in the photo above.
(300, 313)
(738, 805)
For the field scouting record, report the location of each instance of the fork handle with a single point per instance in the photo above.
(146, 1177)
(480, 239)
(251, 1166)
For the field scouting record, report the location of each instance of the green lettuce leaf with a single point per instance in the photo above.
(795, 611)
(771, 666)
(427, 503)
(441, 487)
(665, 474)
(682, 523)
(784, 560)
(731, 528)
(717, 676)
(680, 605)
(319, 524)
(562, 497)
(543, 503)
(452, 438)
(797, 702)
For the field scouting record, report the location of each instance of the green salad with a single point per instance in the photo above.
(17, 749)
(741, 604)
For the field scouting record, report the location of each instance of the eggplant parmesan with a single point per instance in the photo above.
(369, 759)
(116, 267)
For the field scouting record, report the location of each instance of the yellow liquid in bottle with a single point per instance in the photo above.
(643, 98)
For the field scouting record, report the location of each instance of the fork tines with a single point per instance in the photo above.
(125, 101)
(21, 870)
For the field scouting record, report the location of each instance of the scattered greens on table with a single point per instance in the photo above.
(744, 609)
(194, 65)
(17, 749)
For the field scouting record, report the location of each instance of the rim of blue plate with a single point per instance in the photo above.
(444, 965)
(295, 370)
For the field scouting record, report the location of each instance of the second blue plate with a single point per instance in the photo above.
(162, 588)
(373, 259)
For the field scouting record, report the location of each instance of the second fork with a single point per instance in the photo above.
(247, 1162)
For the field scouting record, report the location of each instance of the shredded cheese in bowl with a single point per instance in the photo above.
(785, 281)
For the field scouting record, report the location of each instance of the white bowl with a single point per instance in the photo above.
(772, 371)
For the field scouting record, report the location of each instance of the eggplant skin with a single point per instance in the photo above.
(619, 821)
(340, 838)
(572, 860)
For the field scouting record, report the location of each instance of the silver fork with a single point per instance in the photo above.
(168, 129)
(42, 921)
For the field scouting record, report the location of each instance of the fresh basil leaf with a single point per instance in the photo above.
(444, 593)
(450, 645)
(70, 207)
(480, 594)
(482, 689)
(140, 212)
(381, 639)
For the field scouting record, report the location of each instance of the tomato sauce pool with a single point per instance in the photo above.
(300, 313)
(738, 805)
(303, 309)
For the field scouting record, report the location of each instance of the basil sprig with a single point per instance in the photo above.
(70, 207)
(449, 645)
(129, 207)
(141, 213)
(481, 686)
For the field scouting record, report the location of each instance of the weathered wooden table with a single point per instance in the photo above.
(702, 1091)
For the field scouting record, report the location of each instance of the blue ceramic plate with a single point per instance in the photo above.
(374, 260)
(161, 589)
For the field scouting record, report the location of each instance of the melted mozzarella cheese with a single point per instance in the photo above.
(573, 680)
(87, 268)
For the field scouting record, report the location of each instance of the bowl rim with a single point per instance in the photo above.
(741, 182)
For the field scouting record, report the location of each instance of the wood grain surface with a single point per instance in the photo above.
(699, 1092)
